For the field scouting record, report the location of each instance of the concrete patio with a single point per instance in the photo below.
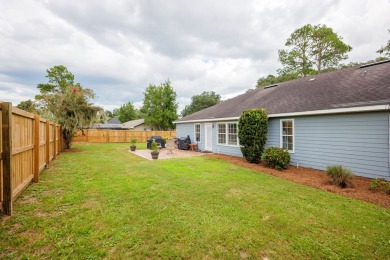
(166, 154)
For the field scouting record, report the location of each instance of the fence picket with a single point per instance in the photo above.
(25, 150)
(117, 136)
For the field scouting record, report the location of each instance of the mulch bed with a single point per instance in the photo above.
(316, 179)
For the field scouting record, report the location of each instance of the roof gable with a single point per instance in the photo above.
(133, 123)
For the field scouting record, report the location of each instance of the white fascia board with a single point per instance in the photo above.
(305, 113)
(206, 120)
(335, 111)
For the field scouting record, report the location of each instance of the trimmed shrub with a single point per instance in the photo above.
(252, 133)
(340, 175)
(380, 185)
(276, 157)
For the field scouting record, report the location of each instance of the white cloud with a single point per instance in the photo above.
(118, 48)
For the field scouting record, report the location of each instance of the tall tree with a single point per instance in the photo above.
(385, 50)
(202, 101)
(67, 102)
(313, 49)
(127, 112)
(160, 106)
(328, 49)
(298, 58)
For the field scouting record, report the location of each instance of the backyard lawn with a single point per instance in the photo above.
(103, 202)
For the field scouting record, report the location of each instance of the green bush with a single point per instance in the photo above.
(340, 175)
(380, 185)
(252, 133)
(276, 157)
(133, 141)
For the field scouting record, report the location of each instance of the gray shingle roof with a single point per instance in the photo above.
(133, 123)
(114, 120)
(349, 87)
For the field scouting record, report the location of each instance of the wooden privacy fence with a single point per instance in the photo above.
(27, 145)
(118, 136)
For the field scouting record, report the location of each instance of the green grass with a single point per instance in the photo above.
(105, 202)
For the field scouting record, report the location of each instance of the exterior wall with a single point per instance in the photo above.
(224, 149)
(359, 141)
(182, 130)
(140, 127)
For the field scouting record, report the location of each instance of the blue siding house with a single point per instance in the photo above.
(340, 117)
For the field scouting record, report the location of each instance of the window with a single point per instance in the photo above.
(287, 134)
(221, 134)
(232, 134)
(197, 133)
(228, 134)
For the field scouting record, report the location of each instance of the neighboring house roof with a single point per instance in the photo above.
(133, 123)
(114, 120)
(345, 89)
(108, 126)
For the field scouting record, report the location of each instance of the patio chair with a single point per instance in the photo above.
(170, 145)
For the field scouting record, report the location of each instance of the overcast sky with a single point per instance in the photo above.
(117, 48)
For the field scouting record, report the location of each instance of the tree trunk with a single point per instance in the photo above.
(68, 136)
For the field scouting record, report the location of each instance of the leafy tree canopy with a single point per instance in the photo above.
(202, 101)
(69, 103)
(29, 106)
(127, 112)
(109, 114)
(271, 79)
(385, 50)
(159, 106)
(311, 49)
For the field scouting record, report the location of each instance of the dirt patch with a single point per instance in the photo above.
(316, 179)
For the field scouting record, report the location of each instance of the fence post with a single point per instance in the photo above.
(60, 135)
(54, 141)
(7, 156)
(36, 147)
(47, 146)
(59, 138)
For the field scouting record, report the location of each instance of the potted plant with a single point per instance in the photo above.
(154, 151)
(132, 146)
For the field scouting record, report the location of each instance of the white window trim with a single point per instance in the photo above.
(200, 132)
(227, 134)
(281, 133)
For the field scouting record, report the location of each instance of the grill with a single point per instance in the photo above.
(183, 142)
(159, 140)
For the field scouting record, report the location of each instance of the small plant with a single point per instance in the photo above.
(154, 151)
(276, 157)
(380, 185)
(132, 146)
(340, 175)
(154, 146)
